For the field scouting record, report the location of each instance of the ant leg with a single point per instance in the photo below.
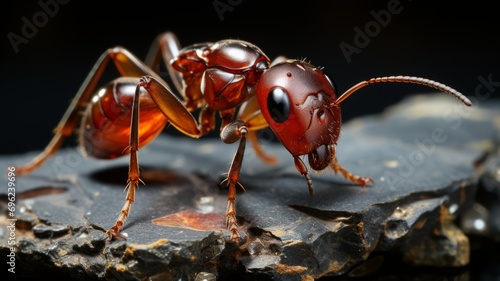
(177, 115)
(266, 158)
(347, 175)
(165, 47)
(231, 133)
(133, 172)
(175, 111)
(126, 63)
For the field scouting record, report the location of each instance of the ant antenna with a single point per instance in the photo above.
(406, 79)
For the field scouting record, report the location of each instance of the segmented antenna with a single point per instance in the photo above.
(406, 79)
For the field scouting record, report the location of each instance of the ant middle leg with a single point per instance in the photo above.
(178, 116)
(363, 181)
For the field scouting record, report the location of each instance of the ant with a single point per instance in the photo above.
(292, 97)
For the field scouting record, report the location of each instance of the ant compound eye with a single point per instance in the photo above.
(278, 105)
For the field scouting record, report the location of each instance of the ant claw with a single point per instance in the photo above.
(363, 181)
(114, 232)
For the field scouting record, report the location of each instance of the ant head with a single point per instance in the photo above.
(298, 102)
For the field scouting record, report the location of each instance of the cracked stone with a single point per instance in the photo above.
(50, 231)
(424, 166)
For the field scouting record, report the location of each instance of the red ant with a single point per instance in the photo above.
(294, 98)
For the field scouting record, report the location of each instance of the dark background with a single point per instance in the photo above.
(452, 44)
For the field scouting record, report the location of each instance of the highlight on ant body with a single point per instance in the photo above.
(232, 79)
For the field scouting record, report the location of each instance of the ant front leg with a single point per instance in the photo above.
(363, 181)
(230, 134)
(334, 164)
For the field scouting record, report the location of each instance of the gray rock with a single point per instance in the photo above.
(421, 154)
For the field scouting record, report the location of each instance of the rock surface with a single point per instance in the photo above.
(423, 155)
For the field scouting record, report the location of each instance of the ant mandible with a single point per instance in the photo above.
(294, 98)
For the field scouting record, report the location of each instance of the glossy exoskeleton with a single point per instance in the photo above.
(231, 78)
